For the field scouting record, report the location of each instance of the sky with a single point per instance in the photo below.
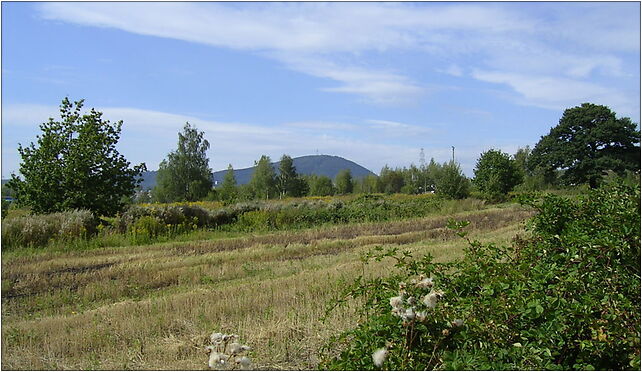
(371, 82)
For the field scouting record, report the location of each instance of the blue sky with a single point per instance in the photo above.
(372, 82)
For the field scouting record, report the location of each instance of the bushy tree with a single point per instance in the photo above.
(496, 173)
(319, 185)
(366, 184)
(392, 180)
(289, 182)
(343, 182)
(75, 165)
(588, 141)
(185, 175)
(263, 181)
(452, 182)
(228, 192)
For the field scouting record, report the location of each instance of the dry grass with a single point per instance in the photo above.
(152, 307)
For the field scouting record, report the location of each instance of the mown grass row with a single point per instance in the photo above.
(151, 307)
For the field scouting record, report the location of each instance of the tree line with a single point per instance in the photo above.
(75, 165)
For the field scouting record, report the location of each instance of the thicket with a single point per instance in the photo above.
(146, 224)
(38, 230)
(566, 297)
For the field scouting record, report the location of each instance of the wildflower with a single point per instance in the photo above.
(244, 362)
(216, 359)
(411, 300)
(445, 332)
(457, 322)
(398, 311)
(235, 348)
(379, 356)
(425, 283)
(396, 302)
(421, 316)
(430, 300)
(216, 337)
(409, 314)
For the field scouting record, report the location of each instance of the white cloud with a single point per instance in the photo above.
(555, 92)
(550, 55)
(147, 136)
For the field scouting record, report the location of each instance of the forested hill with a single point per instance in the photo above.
(325, 165)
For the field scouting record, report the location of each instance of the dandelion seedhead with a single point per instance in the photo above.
(223, 348)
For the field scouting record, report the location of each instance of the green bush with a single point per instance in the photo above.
(147, 228)
(567, 297)
(38, 230)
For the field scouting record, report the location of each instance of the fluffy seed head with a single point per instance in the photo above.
(216, 337)
(457, 323)
(244, 362)
(396, 302)
(379, 356)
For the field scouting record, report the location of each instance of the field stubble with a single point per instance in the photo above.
(153, 307)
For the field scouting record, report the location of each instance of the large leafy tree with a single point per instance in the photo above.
(185, 174)
(588, 141)
(75, 164)
(496, 173)
(263, 180)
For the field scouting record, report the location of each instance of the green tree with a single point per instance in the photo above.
(185, 175)
(391, 180)
(75, 165)
(263, 180)
(228, 192)
(289, 182)
(366, 184)
(320, 185)
(588, 141)
(344, 182)
(452, 182)
(496, 174)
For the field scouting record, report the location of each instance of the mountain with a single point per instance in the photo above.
(326, 165)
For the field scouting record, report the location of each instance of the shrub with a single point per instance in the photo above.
(38, 230)
(568, 297)
(146, 228)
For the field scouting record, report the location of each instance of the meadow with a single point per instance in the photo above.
(151, 304)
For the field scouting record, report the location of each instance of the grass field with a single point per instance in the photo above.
(154, 306)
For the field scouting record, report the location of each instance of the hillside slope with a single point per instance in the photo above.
(325, 165)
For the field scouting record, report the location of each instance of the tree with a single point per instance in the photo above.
(366, 184)
(452, 182)
(75, 165)
(263, 180)
(185, 175)
(289, 182)
(320, 185)
(391, 180)
(343, 182)
(496, 174)
(588, 141)
(228, 192)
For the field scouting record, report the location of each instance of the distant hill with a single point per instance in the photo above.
(326, 165)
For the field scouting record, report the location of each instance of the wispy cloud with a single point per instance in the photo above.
(550, 92)
(147, 136)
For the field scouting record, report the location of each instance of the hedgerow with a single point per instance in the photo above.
(566, 297)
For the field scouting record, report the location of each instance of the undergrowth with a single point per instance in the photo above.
(567, 297)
